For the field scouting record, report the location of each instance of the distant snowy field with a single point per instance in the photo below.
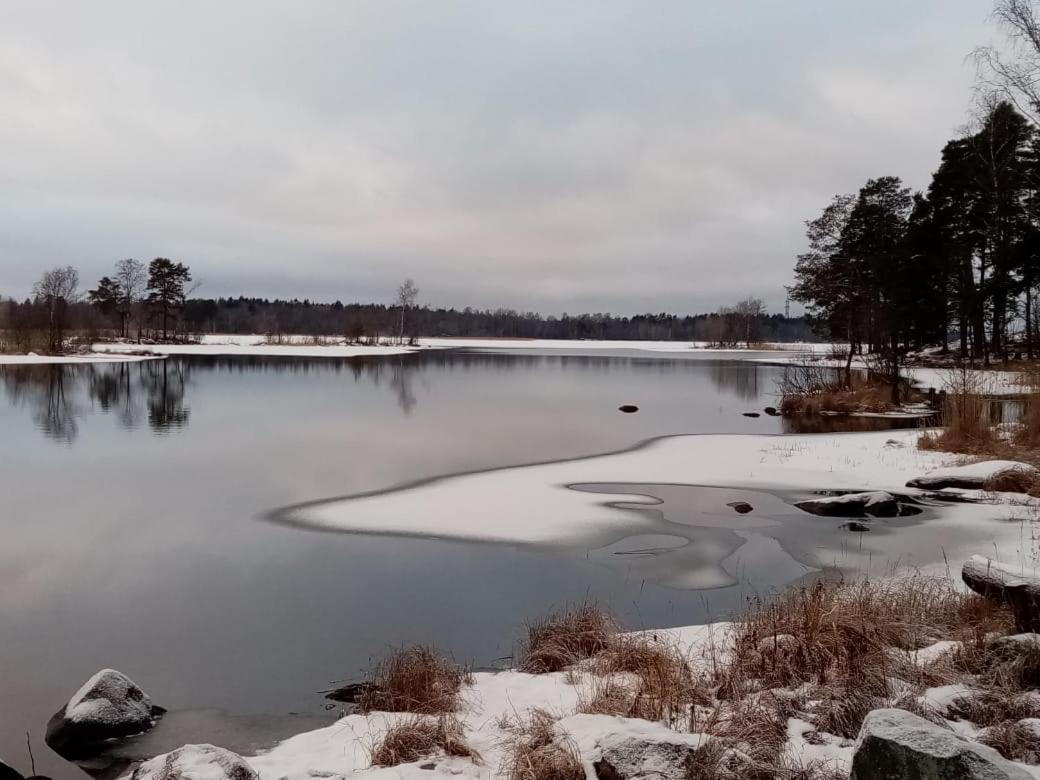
(303, 346)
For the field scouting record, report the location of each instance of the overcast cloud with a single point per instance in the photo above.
(571, 156)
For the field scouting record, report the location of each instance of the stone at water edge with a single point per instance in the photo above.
(196, 762)
(741, 507)
(1012, 585)
(628, 408)
(751, 414)
(875, 503)
(895, 744)
(109, 706)
(771, 411)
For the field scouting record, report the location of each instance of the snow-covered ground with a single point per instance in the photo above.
(344, 748)
(800, 348)
(299, 346)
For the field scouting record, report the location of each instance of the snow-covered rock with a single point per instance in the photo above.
(109, 706)
(1016, 586)
(195, 762)
(898, 744)
(973, 476)
(877, 503)
(630, 748)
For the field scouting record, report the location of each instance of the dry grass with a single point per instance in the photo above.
(420, 737)
(843, 641)
(565, 638)
(415, 679)
(659, 683)
(814, 390)
(535, 753)
(1014, 741)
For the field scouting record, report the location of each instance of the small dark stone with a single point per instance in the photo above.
(852, 525)
(605, 770)
(428, 765)
(741, 507)
(628, 408)
(751, 414)
(771, 411)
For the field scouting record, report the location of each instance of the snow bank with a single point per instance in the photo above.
(344, 748)
(802, 348)
(36, 360)
(970, 475)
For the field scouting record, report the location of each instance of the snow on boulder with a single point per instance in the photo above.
(876, 503)
(1011, 647)
(630, 748)
(899, 744)
(1005, 475)
(1016, 586)
(109, 706)
(196, 762)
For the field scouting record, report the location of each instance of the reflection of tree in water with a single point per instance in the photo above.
(740, 379)
(55, 394)
(164, 386)
(50, 392)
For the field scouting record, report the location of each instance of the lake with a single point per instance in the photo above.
(134, 530)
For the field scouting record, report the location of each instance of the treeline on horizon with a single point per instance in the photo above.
(27, 323)
(958, 264)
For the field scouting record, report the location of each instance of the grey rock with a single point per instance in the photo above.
(196, 762)
(1011, 647)
(876, 503)
(741, 507)
(898, 745)
(109, 706)
(628, 408)
(1016, 586)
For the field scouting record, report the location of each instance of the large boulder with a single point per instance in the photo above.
(1005, 475)
(109, 706)
(876, 503)
(196, 762)
(1016, 586)
(898, 745)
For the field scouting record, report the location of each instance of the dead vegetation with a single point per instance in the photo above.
(536, 753)
(813, 390)
(564, 638)
(420, 736)
(414, 679)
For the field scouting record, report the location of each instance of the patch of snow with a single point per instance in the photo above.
(927, 655)
(32, 359)
(825, 750)
(533, 504)
(257, 346)
(943, 697)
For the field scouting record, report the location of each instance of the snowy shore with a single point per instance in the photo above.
(304, 346)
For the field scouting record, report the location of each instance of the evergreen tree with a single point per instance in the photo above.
(166, 295)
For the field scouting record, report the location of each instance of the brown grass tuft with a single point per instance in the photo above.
(564, 638)
(415, 679)
(1014, 741)
(536, 754)
(421, 737)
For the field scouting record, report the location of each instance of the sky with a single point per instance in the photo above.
(587, 155)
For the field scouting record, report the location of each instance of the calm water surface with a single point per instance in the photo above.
(131, 531)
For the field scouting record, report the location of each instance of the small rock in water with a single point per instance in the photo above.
(751, 414)
(109, 706)
(852, 525)
(771, 411)
(741, 507)
(628, 408)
